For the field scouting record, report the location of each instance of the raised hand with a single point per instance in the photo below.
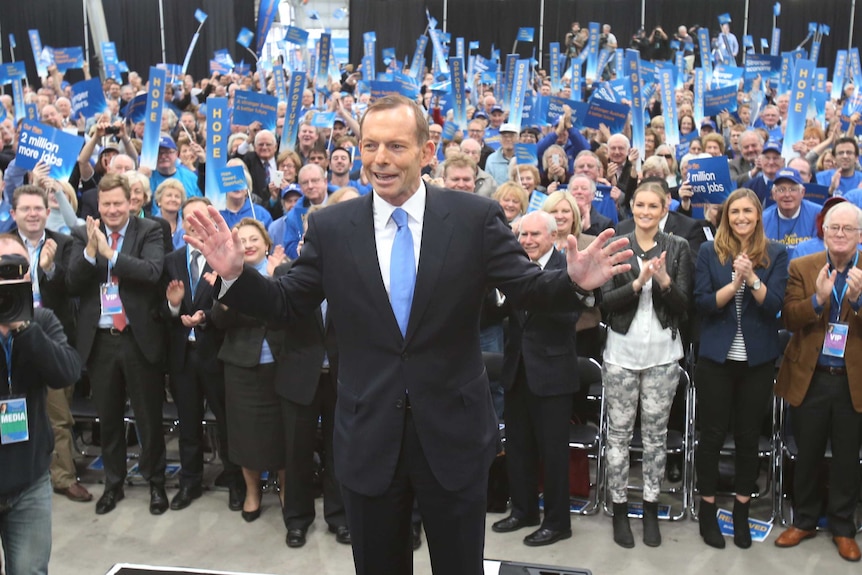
(175, 292)
(49, 251)
(592, 267)
(218, 244)
(824, 283)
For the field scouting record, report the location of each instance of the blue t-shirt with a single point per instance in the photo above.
(824, 178)
(793, 231)
(248, 210)
(188, 178)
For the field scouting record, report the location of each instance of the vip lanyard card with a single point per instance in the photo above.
(835, 340)
(109, 294)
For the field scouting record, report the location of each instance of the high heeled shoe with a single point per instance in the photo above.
(249, 516)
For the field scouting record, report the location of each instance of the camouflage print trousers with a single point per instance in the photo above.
(655, 386)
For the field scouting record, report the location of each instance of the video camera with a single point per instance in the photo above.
(16, 293)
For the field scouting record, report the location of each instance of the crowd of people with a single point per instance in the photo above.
(148, 279)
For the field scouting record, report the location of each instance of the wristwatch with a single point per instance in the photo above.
(756, 285)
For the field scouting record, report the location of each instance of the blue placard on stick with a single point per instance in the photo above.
(249, 107)
(40, 143)
(527, 154)
(710, 180)
(69, 58)
(718, 100)
(610, 114)
(231, 179)
(296, 35)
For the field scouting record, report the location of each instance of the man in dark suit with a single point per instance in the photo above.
(114, 268)
(821, 308)
(261, 165)
(305, 381)
(49, 257)
(195, 371)
(540, 375)
(745, 167)
(404, 271)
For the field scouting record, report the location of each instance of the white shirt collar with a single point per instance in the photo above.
(663, 222)
(793, 217)
(543, 261)
(414, 206)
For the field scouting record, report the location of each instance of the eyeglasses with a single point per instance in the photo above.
(834, 229)
(785, 190)
(844, 153)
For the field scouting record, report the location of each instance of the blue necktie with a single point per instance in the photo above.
(402, 271)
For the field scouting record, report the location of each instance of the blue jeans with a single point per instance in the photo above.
(491, 339)
(25, 528)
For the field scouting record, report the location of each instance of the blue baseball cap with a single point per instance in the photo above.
(167, 142)
(292, 188)
(788, 174)
(772, 146)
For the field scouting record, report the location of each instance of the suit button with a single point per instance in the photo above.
(399, 404)
(404, 356)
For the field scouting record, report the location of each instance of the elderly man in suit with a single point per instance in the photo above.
(821, 378)
(404, 270)
(540, 376)
(115, 268)
(195, 371)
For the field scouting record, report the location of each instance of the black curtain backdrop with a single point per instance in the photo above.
(133, 25)
(399, 22)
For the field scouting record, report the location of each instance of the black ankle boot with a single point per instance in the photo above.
(708, 522)
(741, 531)
(652, 535)
(622, 530)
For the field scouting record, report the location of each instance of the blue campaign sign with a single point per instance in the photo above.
(217, 67)
(88, 99)
(250, 107)
(816, 193)
(153, 117)
(555, 110)
(622, 87)
(69, 58)
(718, 100)
(526, 34)
(406, 85)
(31, 112)
(134, 110)
(296, 35)
(604, 92)
(218, 132)
(710, 180)
(763, 65)
(527, 154)
(726, 76)
(10, 71)
(40, 143)
(610, 114)
(231, 179)
(537, 198)
(323, 119)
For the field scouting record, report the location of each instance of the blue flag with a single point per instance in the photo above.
(69, 58)
(218, 132)
(244, 38)
(527, 154)
(296, 35)
(265, 18)
(153, 117)
(200, 16)
(526, 34)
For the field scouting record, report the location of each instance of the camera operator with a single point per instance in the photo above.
(40, 358)
(659, 46)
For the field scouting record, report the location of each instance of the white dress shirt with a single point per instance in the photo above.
(385, 228)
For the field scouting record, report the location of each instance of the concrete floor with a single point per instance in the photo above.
(209, 536)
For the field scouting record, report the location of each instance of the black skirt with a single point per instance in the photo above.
(254, 424)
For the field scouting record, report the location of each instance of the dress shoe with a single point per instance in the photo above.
(793, 536)
(512, 523)
(185, 496)
(342, 533)
(235, 497)
(109, 499)
(76, 492)
(295, 537)
(848, 549)
(249, 516)
(546, 537)
(158, 500)
(416, 535)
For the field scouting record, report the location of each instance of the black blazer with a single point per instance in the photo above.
(139, 267)
(466, 248)
(258, 175)
(546, 342)
(243, 337)
(208, 337)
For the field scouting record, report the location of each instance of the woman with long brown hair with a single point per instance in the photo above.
(738, 291)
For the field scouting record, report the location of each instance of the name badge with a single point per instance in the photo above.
(835, 340)
(109, 294)
(13, 421)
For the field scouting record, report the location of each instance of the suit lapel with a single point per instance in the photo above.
(363, 247)
(436, 234)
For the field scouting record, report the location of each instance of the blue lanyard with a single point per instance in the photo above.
(839, 299)
(778, 219)
(6, 342)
